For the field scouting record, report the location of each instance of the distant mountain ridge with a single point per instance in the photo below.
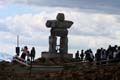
(5, 57)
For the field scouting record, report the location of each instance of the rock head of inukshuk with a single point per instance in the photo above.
(59, 28)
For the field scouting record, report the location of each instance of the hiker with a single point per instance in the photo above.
(28, 56)
(89, 55)
(77, 55)
(25, 53)
(98, 55)
(117, 58)
(103, 54)
(82, 55)
(32, 54)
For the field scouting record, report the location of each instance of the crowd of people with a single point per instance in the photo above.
(112, 53)
(29, 54)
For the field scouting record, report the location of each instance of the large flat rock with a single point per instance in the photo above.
(56, 55)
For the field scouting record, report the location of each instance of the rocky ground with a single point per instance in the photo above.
(72, 71)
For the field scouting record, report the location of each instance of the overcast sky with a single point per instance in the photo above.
(96, 23)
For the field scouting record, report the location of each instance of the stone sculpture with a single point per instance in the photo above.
(59, 29)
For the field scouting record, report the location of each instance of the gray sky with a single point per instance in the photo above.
(104, 6)
(96, 23)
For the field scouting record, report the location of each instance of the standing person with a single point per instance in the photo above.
(98, 55)
(77, 55)
(28, 56)
(103, 54)
(91, 55)
(87, 55)
(117, 58)
(32, 54)
(82, 55)
(24, 52)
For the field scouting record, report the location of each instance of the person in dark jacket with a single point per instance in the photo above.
(32, 54)
(82, 55)
(89, 55)
(118, 55)
(77, 55)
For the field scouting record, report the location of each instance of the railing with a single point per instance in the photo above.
(38, 67)
(95, 62)
(81, 64)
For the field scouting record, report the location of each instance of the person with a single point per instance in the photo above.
(82, 55)
(25, 52)
(103, 54)
(32, 54)
(98, 55)
(117, 58)
(28, 56)
(77, 55)
(89, 55)
(110, 51)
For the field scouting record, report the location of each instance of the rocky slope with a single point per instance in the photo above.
(72, 71)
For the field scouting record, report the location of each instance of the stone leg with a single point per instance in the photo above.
(64, 45)
(52, 44)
